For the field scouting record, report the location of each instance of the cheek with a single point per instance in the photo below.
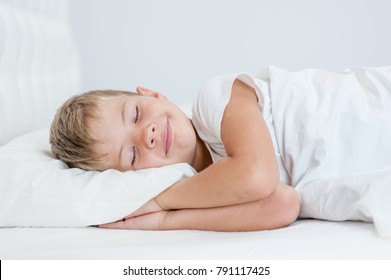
(150, 160)
(187, 141)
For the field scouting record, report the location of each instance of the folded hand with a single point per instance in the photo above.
(150, 221)
(148, 217)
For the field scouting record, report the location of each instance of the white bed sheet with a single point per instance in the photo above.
(305, 239)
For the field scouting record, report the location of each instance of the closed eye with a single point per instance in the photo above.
(137, 115)
(134, 155)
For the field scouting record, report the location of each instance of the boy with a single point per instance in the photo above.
(228, 142)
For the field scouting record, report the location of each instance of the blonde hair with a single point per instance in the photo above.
(71, 139)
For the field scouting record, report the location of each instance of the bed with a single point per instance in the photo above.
(305, 239)
(46, 208)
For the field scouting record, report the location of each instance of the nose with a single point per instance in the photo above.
(150, 136)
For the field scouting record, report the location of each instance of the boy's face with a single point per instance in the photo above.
(140, 131)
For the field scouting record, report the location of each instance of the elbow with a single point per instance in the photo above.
(262, 181)
(287, 205)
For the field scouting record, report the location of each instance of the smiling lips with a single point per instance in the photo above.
(167, 138)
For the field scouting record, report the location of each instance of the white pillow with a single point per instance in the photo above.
(40, 191)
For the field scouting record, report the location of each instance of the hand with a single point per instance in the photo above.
(147, 217)
(150, 207)
(152, 221)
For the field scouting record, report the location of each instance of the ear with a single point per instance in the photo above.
(151, 93)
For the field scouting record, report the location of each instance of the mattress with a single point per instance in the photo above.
(305, 239)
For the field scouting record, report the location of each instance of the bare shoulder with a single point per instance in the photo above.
(241, 89)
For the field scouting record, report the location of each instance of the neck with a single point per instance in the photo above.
(202, 156)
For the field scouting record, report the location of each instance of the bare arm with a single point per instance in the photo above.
(277, 210)
(248, 173)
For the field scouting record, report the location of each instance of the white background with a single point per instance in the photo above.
(173, 46)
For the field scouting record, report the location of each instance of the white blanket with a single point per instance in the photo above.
(334, 134)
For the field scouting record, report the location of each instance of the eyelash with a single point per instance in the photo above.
(137, 115)
(134, 155)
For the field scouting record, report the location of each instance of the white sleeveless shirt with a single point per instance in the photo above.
(208, 110)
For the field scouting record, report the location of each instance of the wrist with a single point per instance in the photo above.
(161, 205)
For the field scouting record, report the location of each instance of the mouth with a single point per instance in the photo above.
(167, 138)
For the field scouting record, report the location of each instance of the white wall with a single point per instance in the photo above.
(174, 45)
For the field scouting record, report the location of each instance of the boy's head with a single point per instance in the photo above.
(106, 129)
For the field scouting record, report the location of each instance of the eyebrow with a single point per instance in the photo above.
(123, 112)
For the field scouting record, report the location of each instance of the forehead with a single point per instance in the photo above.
(108, 110)
(106, 124)
(104, 101)
(109, 105)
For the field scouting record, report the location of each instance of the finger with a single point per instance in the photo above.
(114, 225)
(138, 212)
